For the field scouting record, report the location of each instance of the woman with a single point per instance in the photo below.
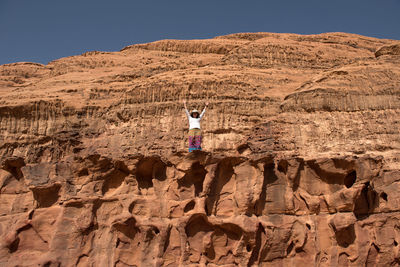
(194, 127)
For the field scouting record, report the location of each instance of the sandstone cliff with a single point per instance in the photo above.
(301, 163)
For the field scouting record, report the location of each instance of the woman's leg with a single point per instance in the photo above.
(191, 139)
(198, 139)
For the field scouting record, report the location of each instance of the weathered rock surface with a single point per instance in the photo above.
(302, 161)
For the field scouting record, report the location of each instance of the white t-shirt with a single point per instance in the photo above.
(194, 122)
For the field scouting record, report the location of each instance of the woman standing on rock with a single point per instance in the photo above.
(194, 127)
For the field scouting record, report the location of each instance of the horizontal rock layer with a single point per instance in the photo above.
(129, 101)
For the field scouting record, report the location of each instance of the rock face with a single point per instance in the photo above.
(301, 163)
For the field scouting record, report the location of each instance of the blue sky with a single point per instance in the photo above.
(44, 30)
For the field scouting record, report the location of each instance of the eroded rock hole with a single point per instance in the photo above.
(151, 232)
(83, 172)
(346, 236)
(189, 206)
(223, 174)
(30, 216)
(365, 202)
(13, 247)
(194, 177)
(283, 166)
(46, 196)
(350, 179)
(231, 230)
(113, 180)
(384, 196)
(120, 165)
(131, 206)
(298, 250)
(296, 181)
(257, 246)
(395, 243)
(127, 228)
(269, 173)
(150, 168)
(13, 165)
(242, 148)
(197, 223)
(330, 176)
(308, 226)
(166, 244)
(269, 178)
(289, 248)
(139, 207)
(210, 253)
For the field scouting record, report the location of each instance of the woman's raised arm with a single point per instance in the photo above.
(204, 110)
(186, 110)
